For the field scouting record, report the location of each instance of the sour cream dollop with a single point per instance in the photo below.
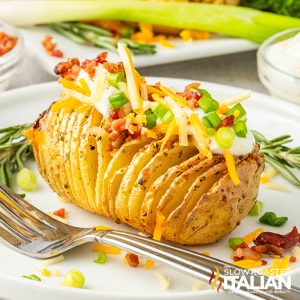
(285, 55)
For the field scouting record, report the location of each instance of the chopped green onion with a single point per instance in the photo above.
(256, 209)
(127, 31)
(235, 241)
(151, 119)
(211, 131)
(26, 179)
(240, 129)
(225, 137)
(117, 100)
(271, 219)
(115, 78)
(238, 107)
(32, 277)
(212, 120)
(101, 259)
(74, 278)
(206, 102)
(163, 113)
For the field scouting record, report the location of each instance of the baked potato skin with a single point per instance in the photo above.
(135, 183)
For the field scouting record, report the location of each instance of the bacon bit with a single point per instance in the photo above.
(60, 213)
(205, 253)
(114, 114)
(137, 132)
(293, 259)
(50, 47)
(113, 67)
(228, 121)
(249, 238)
(242, 245)
(246, 253)
(69, 69)
(267, 248)
(7, 42)
(89, 65)
(281, 241)
(191, 94)
(149, 264)
(101, 58)
(118, 125)
(132, 260)
(264, 262)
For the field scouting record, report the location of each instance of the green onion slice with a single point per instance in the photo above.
(206, 102)
(270, 218)
(240, 129)
(27, 179)
(101, 259)
(235, 241)
(163, 113)
(117, 100)
(225, 137)
(256, 209)
(32, 277)
(238, 107)
(151, 119)
(115, 78)
(212, 120)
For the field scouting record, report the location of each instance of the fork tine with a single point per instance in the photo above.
(14, 202)
(24, 222)
(9, 238)
(9, 226)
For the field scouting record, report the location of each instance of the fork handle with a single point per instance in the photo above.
(192, 263)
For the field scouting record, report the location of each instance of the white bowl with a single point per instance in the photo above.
(279, 80)
(10, 60)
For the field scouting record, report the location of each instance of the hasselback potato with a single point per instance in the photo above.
(145, 176)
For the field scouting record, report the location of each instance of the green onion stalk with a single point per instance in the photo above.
(14, 151)
(236, 21)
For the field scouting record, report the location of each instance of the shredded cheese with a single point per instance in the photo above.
(102, 227)
(248, 263)
(267, 175)
(107, 249)
(164, 280)
(149, 264)
(153, 90)
(52, 261)
(181, 120)
(169, 133)
(278, 267)
(158, 229)
(180, 100)
(276, 187)
(199, 285)
(230, 163)
(133, 89)
(234, 100)
(249, 238)
(200, 136)
(45, 272)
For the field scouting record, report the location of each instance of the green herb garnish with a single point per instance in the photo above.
(117, 100)
(256, 209)
(282, 158)
(14, 151)
(206, 102)
(271, 219)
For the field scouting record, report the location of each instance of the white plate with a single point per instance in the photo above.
(182, 51)
(114, 280)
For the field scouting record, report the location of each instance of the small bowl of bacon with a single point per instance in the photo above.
(11, 52)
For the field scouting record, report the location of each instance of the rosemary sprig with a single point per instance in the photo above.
(281, 157)
(86, 34)
(14, 151)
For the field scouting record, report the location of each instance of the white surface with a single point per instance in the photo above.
(114, 280)
(182, 51)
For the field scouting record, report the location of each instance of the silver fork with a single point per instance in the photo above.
(33, 233)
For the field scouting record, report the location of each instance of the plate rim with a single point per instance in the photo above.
(288, 106)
